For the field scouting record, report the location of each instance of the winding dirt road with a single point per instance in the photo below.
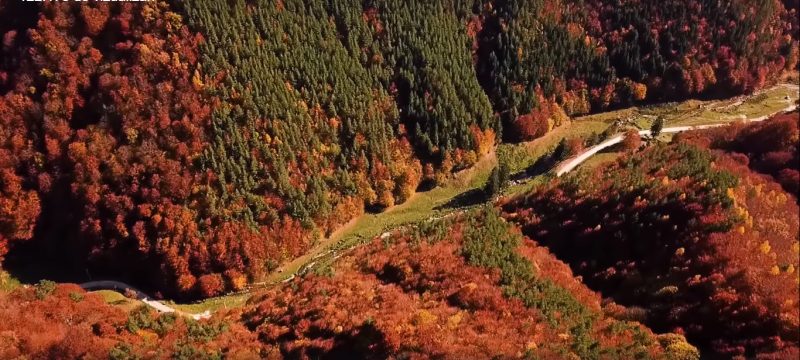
(571, 164)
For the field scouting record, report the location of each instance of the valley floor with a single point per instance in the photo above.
(460, 191)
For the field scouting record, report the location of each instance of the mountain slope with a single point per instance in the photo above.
(704, 245)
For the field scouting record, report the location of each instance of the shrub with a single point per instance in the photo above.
(658, 125)
(211, 285)
(203, 331)
(187, 351)
(631, 141)
(139, 318)
(122, 351)
(497, 180)
(44, 288)
(76, 296)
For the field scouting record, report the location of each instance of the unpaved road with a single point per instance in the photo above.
(571, 164)
(139, 295)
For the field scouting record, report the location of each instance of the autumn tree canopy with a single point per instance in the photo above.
(193, 146)
(706, 246)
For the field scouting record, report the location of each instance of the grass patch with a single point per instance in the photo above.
(421, 207)
(212, 304)
(769, 101)
(598, 159)
(520, 156)
(694, 112)
(527, 186)
(112, 297)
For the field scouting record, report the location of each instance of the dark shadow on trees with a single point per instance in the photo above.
(465, 199)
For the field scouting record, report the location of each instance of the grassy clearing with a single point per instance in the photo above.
(610, 116)
(694, 112)
(421, 207)
(598, 159)
(110, 296)
(521, 156)
(770, 101)
(212, 304)
(434, 203)
(528, 185)
(114, 298)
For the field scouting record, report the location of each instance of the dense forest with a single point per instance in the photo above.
(768, 148)
(705, 245)
(192, 146)
(676, 251)
(541, 60)
(466, 287)
(52, 321)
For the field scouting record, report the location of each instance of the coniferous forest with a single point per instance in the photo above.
(192, 147)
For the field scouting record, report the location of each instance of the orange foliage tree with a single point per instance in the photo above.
(631, 141)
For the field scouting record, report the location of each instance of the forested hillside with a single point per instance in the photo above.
(705, 246)
(193, 146)
(768, 148)
(102, 126)
(465, 287)
(52, 321)
(540, 59)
